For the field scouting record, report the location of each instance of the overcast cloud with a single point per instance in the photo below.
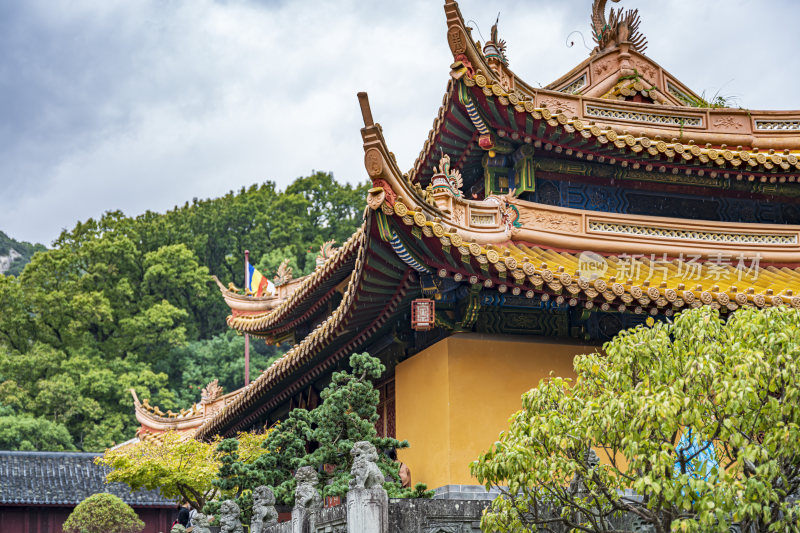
(137, 105)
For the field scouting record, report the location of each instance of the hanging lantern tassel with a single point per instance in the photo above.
(423, 314)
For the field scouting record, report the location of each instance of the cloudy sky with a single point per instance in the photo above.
(145, 104)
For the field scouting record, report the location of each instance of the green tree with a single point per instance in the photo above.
(23, 432)
(194, 365)
(103, 513)
(347, 414)
(122, 302)
(175, 466)
(85, 393)
(698, 417)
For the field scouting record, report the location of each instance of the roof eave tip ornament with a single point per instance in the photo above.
(495, 47)
(620, 27)
(366, 111)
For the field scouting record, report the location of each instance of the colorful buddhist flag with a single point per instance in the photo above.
(258, 282)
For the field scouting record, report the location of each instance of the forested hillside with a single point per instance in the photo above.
(125, 302)
(14, 255)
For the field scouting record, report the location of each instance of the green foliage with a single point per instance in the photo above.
(86, 393)
(28, 433)
(192, 366)
(420, 490)
(175, 466)
(236, 475)
(178, 466)
(103, 513)
(733, 386)
(122, 302)
(347, 414)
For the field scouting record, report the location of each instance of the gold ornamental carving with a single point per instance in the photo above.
(457, 41)
(211, 392)
(375, 197)
(400, 209)
(373, 161)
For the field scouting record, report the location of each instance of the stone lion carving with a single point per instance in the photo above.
(306, 495)
(264, 513)
(200, 524)
(365, 471)
(229, 518)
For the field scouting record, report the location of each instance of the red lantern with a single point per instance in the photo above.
(423, 314)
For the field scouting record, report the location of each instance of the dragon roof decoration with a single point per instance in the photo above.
(621, 26)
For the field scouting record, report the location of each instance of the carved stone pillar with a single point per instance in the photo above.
(307, 501)
(368, 511)
(367, 501)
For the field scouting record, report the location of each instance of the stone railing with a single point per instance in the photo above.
(366, 509)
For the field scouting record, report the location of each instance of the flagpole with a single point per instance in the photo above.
(246, 336)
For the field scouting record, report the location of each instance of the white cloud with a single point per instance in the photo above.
(144, 105)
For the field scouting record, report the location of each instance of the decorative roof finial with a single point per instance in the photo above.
(495, 48)
(447, 179)
(620, 27)
(284, 274)
(211, 392)
(325, 252)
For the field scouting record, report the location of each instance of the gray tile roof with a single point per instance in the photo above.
(62, 478)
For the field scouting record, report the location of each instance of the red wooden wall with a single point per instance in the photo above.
(46, 519)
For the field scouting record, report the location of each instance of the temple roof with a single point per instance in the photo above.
(155, 422)
(603, 108)
(306, 298)
(63, 479)
(425, 230)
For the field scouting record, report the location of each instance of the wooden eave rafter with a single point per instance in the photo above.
(686, 278)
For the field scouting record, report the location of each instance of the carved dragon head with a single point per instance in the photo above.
(326, 251)
(453, 177)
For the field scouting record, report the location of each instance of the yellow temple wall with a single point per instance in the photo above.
(454, 398)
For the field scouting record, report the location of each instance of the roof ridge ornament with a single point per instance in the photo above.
(447, 179)
(621, 27)
(495, 47)
(211, 392)
(284, 274)
(326, 251)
